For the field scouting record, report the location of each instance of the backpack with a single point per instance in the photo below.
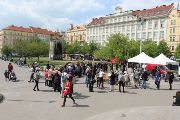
(56, 78)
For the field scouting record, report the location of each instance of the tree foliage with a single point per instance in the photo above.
(163, 48)
(6, 50)
(177, 52)
(121, 47)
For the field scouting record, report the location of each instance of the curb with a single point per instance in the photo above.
(1, 98)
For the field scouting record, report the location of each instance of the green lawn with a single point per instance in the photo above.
(44, 60)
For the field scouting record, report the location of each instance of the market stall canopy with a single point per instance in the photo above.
(163, 60)
(141, 58)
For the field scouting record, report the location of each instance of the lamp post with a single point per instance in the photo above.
(141, 21)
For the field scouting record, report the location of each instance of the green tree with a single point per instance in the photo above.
(6, 50)
(74, 48)
(117, 44)
(177, 52)
(133, 48)
(150, 48)
(38, 48)
(163, 48)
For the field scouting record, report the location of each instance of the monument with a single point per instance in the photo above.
(56, 50)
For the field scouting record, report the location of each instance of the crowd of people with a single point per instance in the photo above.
(63, 78)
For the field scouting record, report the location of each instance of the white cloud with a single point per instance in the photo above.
(142, 4)
(50, 13)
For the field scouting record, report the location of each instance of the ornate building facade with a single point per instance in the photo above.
(10, 34)
(135, 24)
(76, 33)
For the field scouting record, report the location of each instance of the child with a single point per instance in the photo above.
(6, 74)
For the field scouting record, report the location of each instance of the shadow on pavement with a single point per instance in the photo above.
(80, 106)
(80, 96)
(102, 91)
(130, 92)
(47, 90)
(52, 101)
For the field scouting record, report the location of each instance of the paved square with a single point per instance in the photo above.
(22, 103)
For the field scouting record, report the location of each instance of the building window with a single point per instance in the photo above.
(138, 36)
(115, 28)
(144, 26)
(155, 24)
(115, 20)
(111, 20)
(138, 27)
(119, 19)
(123, 28)
(149, 34)
(155, 35)
(150, 25)
(173, 22)
(172, 48)
(144, 35)
(133, 27)
(172, 38)
(162, 23)
(133, 35)
(173, 30)
(162, 35)
(179, 38)
(124, 18)
(128, 28)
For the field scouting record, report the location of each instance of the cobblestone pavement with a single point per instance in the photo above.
(22, 103)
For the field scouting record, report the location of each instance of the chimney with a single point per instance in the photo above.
(71, 26)
(118, 9)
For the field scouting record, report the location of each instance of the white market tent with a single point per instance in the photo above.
(163, 60)
(141, 58)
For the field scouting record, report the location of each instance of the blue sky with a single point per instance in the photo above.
(59, 14)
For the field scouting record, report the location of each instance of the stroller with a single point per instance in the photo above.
(12, 76)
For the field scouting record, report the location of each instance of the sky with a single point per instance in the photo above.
(59, 14)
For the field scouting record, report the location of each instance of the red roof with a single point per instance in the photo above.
(97, 21)
(15, 28)
(40, 31)
(31, 30)
(158, 11)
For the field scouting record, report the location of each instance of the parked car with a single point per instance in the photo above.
(163, 68)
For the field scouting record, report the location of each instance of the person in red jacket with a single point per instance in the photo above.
(10, 67)
(67, 91)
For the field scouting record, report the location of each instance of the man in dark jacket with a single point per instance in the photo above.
(145, 75)
(57, 81)
(171, 77)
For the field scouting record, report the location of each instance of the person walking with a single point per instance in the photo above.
(46, 77)
(68, 91)
(112, 81)
(101, 82)
(158, 79)
(121, 81)
(144, 79)
(171, 77)
(136, 78)
(63, 81)
(6, 75)
(57, 81)
(37, 77)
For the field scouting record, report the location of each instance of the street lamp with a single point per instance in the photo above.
(141, 21)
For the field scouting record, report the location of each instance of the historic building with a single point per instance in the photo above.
(10, 34)
(135, 24)
(76, 33)
(173, 30)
